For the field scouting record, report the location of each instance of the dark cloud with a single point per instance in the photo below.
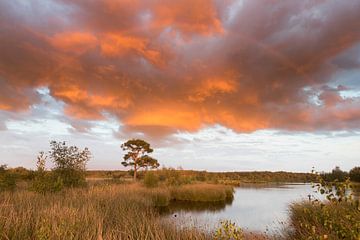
(165, 66)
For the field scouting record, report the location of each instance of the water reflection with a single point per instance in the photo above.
(178, 206)
(254, 209)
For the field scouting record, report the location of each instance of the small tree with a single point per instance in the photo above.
(136, 155)
(41, 161)
(70, 163)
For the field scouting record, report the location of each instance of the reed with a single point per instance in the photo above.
(202, 193)
(100, 212)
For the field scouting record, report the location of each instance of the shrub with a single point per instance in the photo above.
(228, 231)
(173, 177)
(70, 163)
(71, 177)
(334, 220)
(151, 180)
(22, 173)
(355, 174)
(46, 182)
(7, 179)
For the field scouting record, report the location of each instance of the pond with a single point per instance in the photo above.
(254, 209)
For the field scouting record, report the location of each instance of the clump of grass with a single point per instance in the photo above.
(159, 197)
(151, 180)
(202, 193)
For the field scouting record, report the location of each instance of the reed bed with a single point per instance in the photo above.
(100, 212)
(202, 193)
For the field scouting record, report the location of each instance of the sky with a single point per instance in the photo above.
(222, 85)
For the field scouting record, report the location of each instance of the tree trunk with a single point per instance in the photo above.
(135, 170)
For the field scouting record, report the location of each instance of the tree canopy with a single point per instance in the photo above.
(136, 155)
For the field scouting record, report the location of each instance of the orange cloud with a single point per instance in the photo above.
(75, 42)
(169, 115)
(211, 87)
(117, 45)
(189, 16)
(123, 58)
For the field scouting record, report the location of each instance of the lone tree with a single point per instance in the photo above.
(137, 155)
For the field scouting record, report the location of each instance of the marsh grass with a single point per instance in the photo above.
(101, 212)
(202, 192)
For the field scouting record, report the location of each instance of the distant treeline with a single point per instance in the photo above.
(234, 177)
(340, 175)
(223, 177)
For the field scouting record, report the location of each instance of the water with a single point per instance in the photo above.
(264, 209)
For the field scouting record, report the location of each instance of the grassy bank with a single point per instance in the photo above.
(101, 212)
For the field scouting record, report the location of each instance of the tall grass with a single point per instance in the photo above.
(101, 212)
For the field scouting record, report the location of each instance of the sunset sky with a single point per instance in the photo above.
(217, 85)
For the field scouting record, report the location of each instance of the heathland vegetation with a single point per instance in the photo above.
(68, 202)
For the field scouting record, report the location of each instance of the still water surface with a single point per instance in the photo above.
(257, 209)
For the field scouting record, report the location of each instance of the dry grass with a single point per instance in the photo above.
(101, 212)
(202, 192)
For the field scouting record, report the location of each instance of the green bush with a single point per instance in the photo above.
(151, 179)
(46, 182)
(70, 163)
(338, 217)
(7, 179)
(228, 231)
(173, 177)
(355, 174)
(71, 177)
(333, 220)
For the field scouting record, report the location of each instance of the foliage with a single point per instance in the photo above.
(334, 191)
(7, 179)
(21, 173)
(70, 163)
(47, 182)
(136, 155)
(335, 175)
(151, 180)
(334, 220)
(41, 161)
(338, 218)
(354, 174)
(228, 231)
(174, 177)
